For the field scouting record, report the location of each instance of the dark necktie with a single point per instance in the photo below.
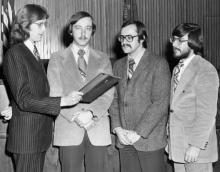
(36, 53)
(82, 63)
(131, 64)
(176, 73)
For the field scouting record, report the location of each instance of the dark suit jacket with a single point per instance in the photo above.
(30, 129)
(142, 104)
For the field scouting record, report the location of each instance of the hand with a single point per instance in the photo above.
(122, 135)
(89, 125)
(192, 154)
(7, 113)
(82, 118)
(71, 99)
(133, 137)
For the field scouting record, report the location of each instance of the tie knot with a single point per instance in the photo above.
(81, 52)
(181, 63)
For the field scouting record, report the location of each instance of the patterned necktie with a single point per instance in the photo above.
(131, 64)
(36, 53)
(176, 73)
(82, 63)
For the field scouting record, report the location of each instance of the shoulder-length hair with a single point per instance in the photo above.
(195, 37)
(25, 16)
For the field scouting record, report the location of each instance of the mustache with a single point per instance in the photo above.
(82, 37)
(174, 48)
(126, 45)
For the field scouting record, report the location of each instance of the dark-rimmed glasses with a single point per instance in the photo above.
(128, 38)
(179, 40)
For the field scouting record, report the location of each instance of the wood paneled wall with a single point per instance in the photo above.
(107, 15)
(160, 17)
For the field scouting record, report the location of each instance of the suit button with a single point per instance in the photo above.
(171, 110)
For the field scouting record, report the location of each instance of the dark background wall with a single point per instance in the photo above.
(160, 17)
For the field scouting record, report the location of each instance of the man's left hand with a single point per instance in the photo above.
(83, 117)
(133, 137)
(192, 154)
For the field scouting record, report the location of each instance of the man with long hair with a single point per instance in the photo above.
(81, 132)
(30, 128)
(193, 103)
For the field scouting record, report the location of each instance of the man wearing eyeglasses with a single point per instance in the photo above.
(193, 105)
(33, 110)
(140, 106)
(82, 132)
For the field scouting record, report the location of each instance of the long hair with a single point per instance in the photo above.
(141, 30)
(76, 17)
(195, 37)
(25, 16)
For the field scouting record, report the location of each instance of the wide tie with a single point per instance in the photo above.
(82, 63)
(36, 53)
(176, 73)
(131, 64)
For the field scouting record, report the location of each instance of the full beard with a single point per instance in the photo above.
(182, 55)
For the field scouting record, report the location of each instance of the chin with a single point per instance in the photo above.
(83, 43)
(126, 50)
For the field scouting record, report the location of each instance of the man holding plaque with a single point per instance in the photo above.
(140, 106)
(81, 132)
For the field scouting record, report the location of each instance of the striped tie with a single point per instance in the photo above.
(131, 64)
(176, 73)
(36, 53)
(82, 63)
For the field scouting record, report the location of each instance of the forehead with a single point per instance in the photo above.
(129, 30)
(85, 21)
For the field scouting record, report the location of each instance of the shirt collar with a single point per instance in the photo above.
(29, 45)
(137, 57)
(187, 60)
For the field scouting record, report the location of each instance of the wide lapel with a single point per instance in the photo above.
(93, 65)
(171, 91)
(70, 68)
(143, 65)
(187, 75)
(33, 61)
(124, 76)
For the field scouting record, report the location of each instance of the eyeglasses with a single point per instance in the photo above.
(179, 40)
(41, 24)
(128, 38)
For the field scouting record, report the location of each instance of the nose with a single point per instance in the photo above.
(83, 32)
(175, 43)
(43, 28)
(124, 40)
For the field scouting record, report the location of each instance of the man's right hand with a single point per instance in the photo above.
(71, 99)
(7, 113)
(122, 135)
